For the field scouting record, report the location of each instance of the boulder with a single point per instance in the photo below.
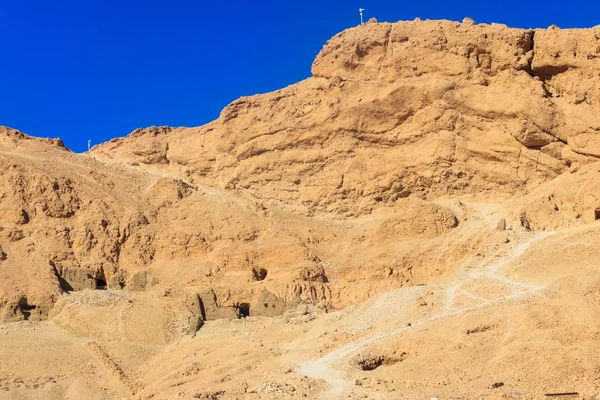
(268, 305)
(212, 311)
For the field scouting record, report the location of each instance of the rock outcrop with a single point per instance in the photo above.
(411, 109)
(396, 118)
(423, 156)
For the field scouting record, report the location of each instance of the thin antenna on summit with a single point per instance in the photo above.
(360, 10)
(89, 144)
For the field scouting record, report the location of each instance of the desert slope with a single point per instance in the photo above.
(417, 219)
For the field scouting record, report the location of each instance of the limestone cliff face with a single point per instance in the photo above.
(419, 109)
(328, 191)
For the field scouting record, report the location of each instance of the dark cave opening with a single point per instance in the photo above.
(101, 281)
(26, 309)
(243, 310)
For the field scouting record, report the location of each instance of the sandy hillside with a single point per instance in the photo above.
(416, 220)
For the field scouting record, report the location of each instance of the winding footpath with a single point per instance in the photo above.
(325, 367)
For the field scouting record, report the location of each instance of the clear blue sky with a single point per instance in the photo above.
(97, 69)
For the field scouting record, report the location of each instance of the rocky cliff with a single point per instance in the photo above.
(358, 158)
(415, 155)
(412, 109)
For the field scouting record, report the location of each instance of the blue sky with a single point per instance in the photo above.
(97, 69)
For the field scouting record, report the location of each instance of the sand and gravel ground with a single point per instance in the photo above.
(459, 338)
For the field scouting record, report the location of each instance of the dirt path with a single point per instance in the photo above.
(490, 269)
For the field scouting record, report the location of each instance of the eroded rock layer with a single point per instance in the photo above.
(414, 148)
